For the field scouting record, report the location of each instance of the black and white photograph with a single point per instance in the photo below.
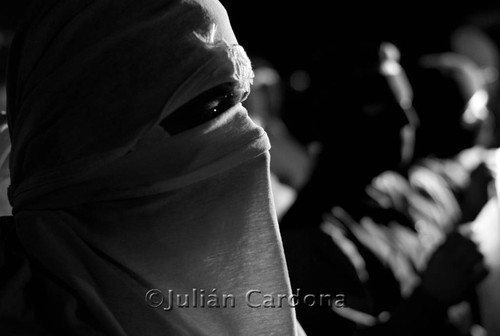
(263, 168)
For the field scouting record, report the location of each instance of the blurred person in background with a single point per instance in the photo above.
(477, 37)
(343, 237)
(456, 132)
(450, 179)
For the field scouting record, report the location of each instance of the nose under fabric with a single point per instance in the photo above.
(114, 216)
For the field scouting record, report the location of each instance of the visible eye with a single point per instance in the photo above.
(203, 108)
(226, 101)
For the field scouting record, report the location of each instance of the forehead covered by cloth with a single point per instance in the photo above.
(88, 79)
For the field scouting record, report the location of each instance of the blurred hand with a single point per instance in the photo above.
(454, 269)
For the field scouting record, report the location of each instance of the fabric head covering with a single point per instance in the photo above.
(108, 205)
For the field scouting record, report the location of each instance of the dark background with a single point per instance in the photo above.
(288, 32)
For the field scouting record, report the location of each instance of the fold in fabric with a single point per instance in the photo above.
(114, 218)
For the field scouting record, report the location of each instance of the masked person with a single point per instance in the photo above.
(139, 185)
